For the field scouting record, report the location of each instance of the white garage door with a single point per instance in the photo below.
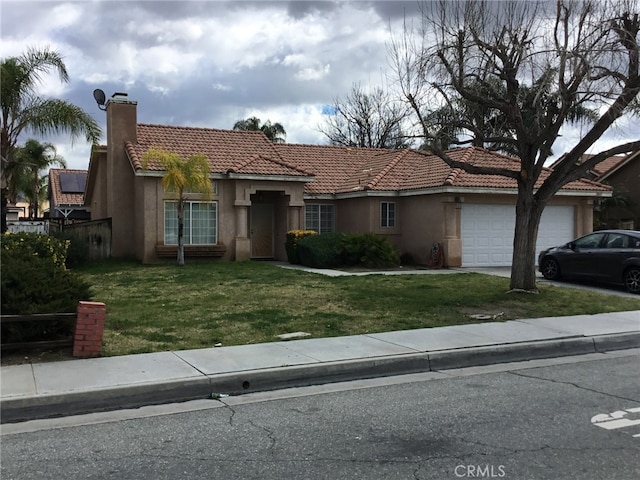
(487, 232)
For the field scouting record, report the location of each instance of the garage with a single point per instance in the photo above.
(487, 232)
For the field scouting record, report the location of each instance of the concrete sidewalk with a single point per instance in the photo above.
(81, 386)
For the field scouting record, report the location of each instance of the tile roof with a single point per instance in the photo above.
(609, 164)
(236, 151)
(342, 170)
(602, 168)
(57, 196)
(336, 169)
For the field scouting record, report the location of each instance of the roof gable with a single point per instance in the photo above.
(603, 168)
(66, 186)
(627, 160)
(228, 151)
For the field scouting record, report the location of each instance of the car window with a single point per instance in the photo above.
(590, 241)
(634, 242)
(617, 240)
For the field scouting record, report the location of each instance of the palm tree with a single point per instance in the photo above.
(181, 176)
(274, 131)
(30, 160)
(23, 109)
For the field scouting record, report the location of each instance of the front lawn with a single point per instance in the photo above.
(165, 307)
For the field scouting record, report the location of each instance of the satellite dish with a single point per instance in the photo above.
(100, 98)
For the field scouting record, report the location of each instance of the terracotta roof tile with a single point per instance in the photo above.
(609, 164)
(603, 167)
(238, 151)
(335, 169)
(58, 197)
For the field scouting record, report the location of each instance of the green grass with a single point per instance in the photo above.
(165, 307)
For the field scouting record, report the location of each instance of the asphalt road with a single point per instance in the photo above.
(568, 419)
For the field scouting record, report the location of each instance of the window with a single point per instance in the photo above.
(592, 240)
(616, 240)
(387, 214)
(319, 217)
(200, 223)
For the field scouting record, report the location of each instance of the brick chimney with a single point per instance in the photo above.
(121, 127)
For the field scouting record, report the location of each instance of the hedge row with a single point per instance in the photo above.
(331, 250)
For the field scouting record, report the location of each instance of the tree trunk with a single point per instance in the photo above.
(528, 214)
(180, 232)
(34, 200)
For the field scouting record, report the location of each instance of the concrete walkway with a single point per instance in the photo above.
(79, 386)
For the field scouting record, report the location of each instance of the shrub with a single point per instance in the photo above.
(36, 244)
(35, 280)
(291, 243)
(77, 251)
(321, 251)
(369, 250)
(331, 250)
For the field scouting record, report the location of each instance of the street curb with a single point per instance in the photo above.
(620, 341)
(516, 352)
(21, 409)
(236, 383)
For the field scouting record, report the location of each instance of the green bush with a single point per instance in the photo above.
(331, 250)
(369, 250)
(34, 281)
(291, 244)
(36, 244)
(321, 251)
(78, 250)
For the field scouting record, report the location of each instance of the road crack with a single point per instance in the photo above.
(270, 435)
(566, 382)
(230, 408)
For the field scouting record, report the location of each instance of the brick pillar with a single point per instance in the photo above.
(87, 333)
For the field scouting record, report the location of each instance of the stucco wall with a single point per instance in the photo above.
(422, 220)
(626, 181)
(97, 204)
(234, 199)
(121, 127)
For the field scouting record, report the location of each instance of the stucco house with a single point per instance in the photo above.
(622, 172)
(262, 190)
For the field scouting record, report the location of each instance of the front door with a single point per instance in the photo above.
(261, 230)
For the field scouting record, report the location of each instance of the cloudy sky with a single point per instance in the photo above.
(211, 63)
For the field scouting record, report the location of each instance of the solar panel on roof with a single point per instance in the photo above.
(72, 182)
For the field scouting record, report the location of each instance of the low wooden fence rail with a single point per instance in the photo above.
(44, 317)
(88, 328)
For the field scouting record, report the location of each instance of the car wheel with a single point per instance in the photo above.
(550, 269)
(632, 279)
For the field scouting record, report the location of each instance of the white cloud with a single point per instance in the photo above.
(311, 73)
(213, 63)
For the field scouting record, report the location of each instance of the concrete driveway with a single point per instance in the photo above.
(593, 287)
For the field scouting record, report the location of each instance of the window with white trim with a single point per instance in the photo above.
(319, 217)
(387, 214)
(200, 223)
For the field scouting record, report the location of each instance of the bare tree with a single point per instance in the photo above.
(364, 119)
(531, 67)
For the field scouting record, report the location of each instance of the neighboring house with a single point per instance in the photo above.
(622, 173)
(623, 209)
(262, 190)
(66, 194)
(16, 211)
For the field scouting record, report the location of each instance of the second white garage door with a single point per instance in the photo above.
(487, 232)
